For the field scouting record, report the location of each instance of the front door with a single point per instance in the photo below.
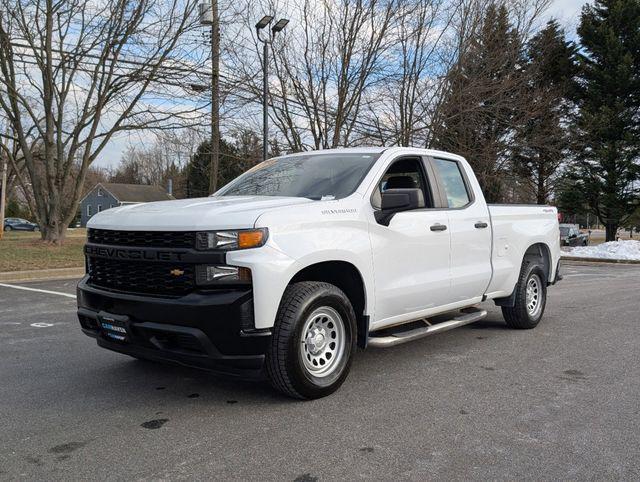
(411, 254)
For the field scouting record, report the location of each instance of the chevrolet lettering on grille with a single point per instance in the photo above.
(132, 254)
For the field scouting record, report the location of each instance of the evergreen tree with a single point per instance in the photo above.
(236, 157)
(198, 168)
(478, 109)
(607, 125)
(542, 137)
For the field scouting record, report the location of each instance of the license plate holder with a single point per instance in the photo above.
(114, 327)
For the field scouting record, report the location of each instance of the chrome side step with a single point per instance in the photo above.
(400, 337)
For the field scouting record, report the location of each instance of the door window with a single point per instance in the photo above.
(453, 182)
(402, 174)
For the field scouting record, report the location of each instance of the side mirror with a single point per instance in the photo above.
(572, 236)
(397, 200)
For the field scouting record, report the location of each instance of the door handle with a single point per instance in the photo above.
(481, 225)
(438, 227)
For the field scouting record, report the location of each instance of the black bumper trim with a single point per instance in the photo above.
(203, 330)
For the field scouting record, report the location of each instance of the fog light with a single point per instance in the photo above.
(209, 275)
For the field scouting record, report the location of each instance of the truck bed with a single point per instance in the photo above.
(514, 226)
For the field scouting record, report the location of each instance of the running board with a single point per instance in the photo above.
(401, 337)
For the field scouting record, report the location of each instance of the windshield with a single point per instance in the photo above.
(564, 231)
(314, 176)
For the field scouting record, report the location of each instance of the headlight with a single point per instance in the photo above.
(231, 239)
(212, 275)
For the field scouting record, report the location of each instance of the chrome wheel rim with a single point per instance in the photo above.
(534, 295)
(323, 342)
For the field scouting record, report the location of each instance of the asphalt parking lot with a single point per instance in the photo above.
(480, 402)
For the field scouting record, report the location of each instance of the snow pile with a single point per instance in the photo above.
(611, 250)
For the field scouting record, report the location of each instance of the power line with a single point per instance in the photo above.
(231, 83)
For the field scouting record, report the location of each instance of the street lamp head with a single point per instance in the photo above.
(264, 21)
(281, 24)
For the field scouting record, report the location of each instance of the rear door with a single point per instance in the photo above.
(470, 228)
(411, 254)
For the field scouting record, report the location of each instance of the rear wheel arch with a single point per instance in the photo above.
(348, 278)
(536, 254)
(539, 253)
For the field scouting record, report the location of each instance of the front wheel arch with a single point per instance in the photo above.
(348, 278)
(285, 367)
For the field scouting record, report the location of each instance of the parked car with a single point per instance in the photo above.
(289, 267)
(570, 235)
(19, 224)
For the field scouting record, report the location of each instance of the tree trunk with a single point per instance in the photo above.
(53, 231)
(611, 230)
(541, 191)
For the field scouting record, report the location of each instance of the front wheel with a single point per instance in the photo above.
(313, 340)
(531, 298)
(8, 228)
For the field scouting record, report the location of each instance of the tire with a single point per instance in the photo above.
(36, 229)
(303, 360)
(528, 308)
(8, 228)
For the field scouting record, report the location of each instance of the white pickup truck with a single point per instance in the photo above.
(289, 267)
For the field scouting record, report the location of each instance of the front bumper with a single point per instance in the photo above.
(211, 330)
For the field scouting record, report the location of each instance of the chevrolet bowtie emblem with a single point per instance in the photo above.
(177, 272)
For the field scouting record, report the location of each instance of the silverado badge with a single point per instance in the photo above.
(177, 272)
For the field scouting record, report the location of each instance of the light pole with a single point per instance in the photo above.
(279, 26)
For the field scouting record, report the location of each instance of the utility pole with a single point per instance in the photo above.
(209, 16)
(215, 97)
(3, 186)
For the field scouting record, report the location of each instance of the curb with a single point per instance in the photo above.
(600, 260)
(42, 274)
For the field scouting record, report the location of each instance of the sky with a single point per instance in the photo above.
(567, 13)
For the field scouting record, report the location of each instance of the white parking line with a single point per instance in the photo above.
(38, 290)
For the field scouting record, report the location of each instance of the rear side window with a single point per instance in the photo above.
(454, 186)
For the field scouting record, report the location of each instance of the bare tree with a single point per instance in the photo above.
(159, 158)
(323, 66)
(73, 74)
(401, 108)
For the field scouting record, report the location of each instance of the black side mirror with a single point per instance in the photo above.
(572, 236)
(397, 200)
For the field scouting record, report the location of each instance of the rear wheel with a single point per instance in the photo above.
(313, 340)
(531, 298)
(8, 228)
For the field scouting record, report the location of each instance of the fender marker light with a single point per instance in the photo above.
(250, 239)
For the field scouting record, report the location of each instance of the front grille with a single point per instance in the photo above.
(141, 239)
(141, 277)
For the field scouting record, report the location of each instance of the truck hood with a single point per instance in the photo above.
(225, 212)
